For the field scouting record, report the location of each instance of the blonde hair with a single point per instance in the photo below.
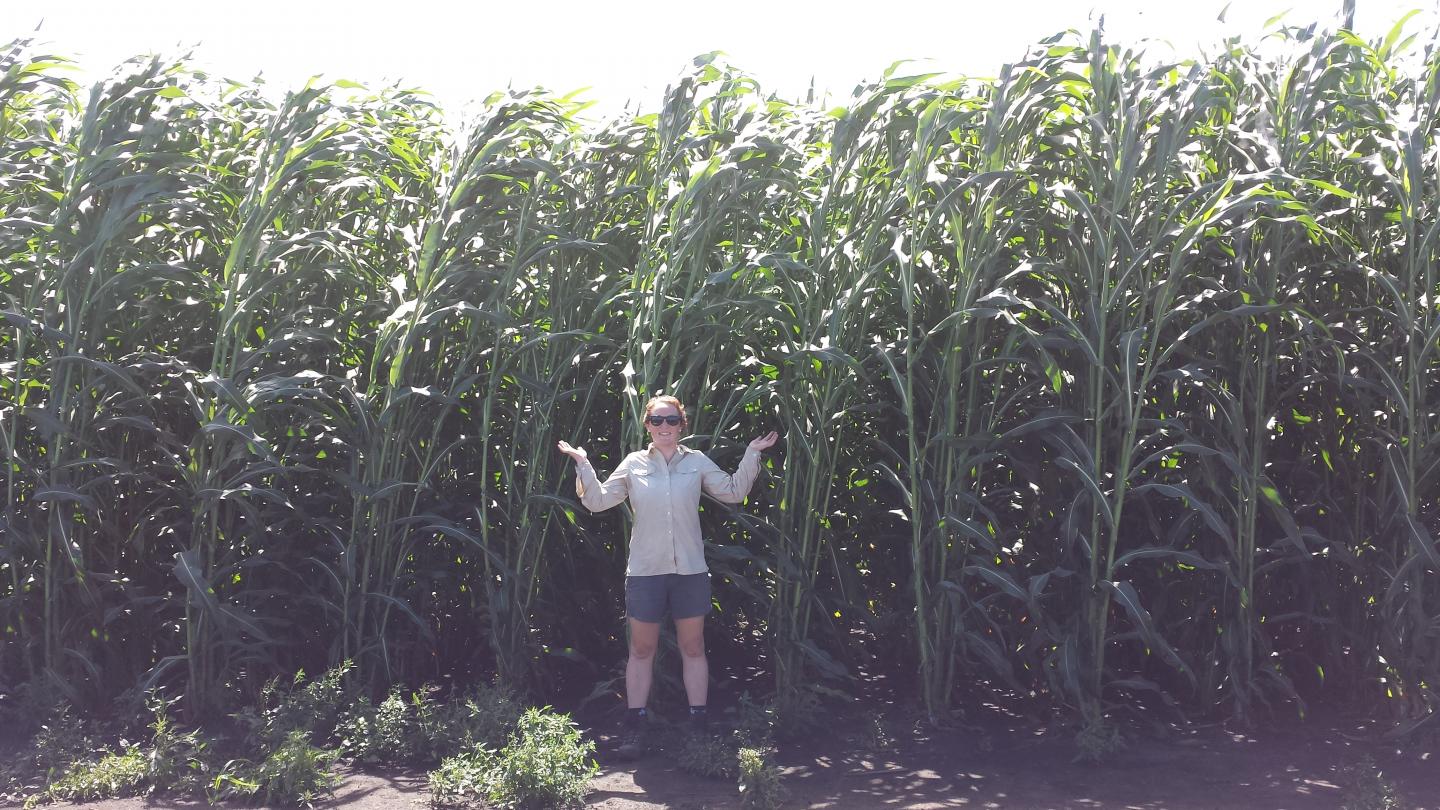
(672, 402)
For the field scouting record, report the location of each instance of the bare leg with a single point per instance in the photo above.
(640, 668)
(690, 636)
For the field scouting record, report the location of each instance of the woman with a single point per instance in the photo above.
(666, 567)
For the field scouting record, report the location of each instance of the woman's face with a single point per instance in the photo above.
(664, 435)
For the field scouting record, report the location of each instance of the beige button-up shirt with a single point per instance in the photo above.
(666, 500)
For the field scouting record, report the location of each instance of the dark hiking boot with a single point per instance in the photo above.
(634, 741)
(632, 744)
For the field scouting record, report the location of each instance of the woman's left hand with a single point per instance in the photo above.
(765, 442)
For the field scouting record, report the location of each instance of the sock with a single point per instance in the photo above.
(699, 718)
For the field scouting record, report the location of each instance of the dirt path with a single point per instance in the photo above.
(1293, 768)
(1290, 768)
(1208, 769)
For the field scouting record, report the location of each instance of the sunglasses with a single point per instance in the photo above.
(657, 421)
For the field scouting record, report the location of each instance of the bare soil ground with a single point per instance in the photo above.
(1005, 763)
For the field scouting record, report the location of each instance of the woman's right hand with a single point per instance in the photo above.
(576, 453)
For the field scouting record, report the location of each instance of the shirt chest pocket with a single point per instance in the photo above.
(685, 484)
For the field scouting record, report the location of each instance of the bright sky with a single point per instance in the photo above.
(630, 51)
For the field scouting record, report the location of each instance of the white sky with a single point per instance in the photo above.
(629, 51)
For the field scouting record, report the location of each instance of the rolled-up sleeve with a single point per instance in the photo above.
(727, 488)
(598, 497)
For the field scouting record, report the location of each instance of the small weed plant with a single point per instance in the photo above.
(709, 755)
(294, 774)
(798, 713)
(173, 762)
(115, 775)
(760, 781)
(485, 716)
(384, 733)
(420, 730)
(547, 764)
(1097, 740)
(461, 779)
(178, 759)
(62, 740)
(876, 735)
(755, 722)
(1366, 787)
(314, 708)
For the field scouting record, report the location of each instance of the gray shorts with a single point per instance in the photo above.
(686, 596)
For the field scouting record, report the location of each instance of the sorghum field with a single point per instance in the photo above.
(1107, 384)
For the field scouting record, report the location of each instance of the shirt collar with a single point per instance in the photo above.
(650, 449)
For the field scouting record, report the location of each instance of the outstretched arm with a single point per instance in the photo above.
(733, 488)
(596, 497)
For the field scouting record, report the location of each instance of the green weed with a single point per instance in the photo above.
(295, 773)
(761, 787)
(313, 708)
(547, 764)
(420, 730)
(114, 775)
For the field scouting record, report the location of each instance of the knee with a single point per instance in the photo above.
(641, 651)
(693, 648)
